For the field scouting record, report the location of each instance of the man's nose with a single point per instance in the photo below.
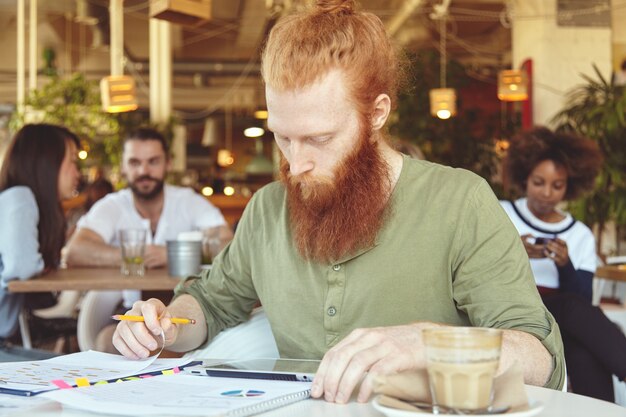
(143, 168)
(301, 161)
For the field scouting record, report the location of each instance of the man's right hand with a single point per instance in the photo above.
(135, 340)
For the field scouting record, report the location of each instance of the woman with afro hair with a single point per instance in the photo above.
(549, 168)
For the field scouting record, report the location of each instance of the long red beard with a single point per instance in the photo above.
(331, 218)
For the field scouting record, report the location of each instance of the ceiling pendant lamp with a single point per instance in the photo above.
(117, 91)
(442, 100)
(512, 85)
(225, 156)
(184, 12)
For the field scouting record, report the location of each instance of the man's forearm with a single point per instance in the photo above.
(532, 355)
(86, 252)
(189, 336)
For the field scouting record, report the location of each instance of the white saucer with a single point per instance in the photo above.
(535, 407)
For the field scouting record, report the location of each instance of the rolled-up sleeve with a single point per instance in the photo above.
(493, 282)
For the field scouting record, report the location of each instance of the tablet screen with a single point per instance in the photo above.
(303, 366)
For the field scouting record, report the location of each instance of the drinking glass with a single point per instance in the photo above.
(211, 244)
(133, 245)
(461, 364)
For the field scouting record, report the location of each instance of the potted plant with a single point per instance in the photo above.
(597, 110)
(465, 140)
(74, 102)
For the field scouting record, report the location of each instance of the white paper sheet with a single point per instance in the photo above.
(182, 395)
(35, 376)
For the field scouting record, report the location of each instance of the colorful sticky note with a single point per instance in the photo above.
(82, 382)
(61, 384)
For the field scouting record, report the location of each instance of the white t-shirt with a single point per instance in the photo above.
(581, 244)
(183, 211)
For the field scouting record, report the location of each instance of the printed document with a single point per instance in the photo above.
(184, 395)
(24, 378)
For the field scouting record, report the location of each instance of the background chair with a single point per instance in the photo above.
(60, 319)
(251, 339)
(606, 288)
(95, 313)
(615, 312)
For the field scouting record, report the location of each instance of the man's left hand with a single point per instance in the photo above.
(368, 352)
(155, 256)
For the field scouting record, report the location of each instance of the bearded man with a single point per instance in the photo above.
(147, 203)
(357, 248)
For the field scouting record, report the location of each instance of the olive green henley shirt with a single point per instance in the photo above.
(447, 253)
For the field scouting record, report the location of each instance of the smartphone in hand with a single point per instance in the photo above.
(542, 240)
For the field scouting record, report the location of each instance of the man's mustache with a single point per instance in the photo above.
(145, 177)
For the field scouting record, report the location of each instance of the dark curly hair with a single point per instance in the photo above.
(580, 157)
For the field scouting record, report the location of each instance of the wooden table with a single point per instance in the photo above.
(604, 273)
(84, 279)
(87, 279)
(612, 272)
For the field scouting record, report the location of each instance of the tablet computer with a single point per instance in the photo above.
(258, 368)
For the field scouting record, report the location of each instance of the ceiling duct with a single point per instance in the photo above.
(208, 68)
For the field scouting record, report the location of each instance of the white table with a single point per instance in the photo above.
(557, 404)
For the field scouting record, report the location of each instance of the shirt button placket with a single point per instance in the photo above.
(336, 285)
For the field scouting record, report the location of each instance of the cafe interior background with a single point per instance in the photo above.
(480, 70)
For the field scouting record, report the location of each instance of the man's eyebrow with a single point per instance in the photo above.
(305, 135)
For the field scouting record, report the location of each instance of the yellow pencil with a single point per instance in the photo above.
(175, 320)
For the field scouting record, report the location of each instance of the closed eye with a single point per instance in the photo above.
(319, 140)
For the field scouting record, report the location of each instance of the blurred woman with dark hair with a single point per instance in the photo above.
(39, 171)
(549, 168)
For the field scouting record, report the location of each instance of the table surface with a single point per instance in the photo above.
(556, 404)
(612, 272)
(84, 279)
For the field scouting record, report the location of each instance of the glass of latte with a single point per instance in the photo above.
(461, 364)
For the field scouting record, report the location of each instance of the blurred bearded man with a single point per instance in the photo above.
(147, 203)
(357, 248)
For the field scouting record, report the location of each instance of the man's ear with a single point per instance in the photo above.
(380, 113)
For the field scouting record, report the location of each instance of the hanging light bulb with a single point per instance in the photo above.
(442, 100)
(512, 85)
(225, 157)
(253, 132)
